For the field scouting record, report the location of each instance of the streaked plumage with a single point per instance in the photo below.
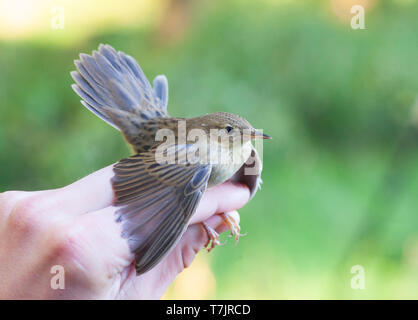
(156, 199)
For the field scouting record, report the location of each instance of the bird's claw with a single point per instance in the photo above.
(233, 226)
(213, 237)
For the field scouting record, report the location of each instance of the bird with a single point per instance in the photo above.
(158, 188)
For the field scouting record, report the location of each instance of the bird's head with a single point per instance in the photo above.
(227, 126)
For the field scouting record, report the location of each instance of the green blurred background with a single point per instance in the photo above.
(341, 174)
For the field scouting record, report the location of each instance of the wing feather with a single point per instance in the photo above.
(155, 202)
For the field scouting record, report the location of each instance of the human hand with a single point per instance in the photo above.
(74, 227)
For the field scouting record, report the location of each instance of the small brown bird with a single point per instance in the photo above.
(176, 159)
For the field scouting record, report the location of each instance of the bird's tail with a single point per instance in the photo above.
(114, 87)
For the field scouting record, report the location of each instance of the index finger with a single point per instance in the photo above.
(91, 193)
(222, 198)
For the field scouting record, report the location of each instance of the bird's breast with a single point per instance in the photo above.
(228, 163)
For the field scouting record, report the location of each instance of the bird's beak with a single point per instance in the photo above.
(259, 135)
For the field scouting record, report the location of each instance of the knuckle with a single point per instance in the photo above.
(8, 198)
(67, 248)
(63, 241)
(26, 215)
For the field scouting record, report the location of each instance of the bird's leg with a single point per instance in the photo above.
(233, 225)
(213, 237)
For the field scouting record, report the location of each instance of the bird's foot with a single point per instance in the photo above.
(213, 237)
(233, 225)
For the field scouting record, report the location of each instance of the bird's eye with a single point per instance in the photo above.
(229, 129)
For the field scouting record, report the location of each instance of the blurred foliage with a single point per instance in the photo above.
(340, 176)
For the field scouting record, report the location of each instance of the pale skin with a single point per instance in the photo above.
(75, 227)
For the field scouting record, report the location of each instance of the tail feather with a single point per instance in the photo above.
(113, 80)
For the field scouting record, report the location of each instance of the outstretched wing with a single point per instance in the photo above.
(110, 81)
(156, 201)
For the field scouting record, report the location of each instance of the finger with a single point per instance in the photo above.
(88, 194)
(195, 239)
(222, 198)
(159, 278)
(9, 199)
(40, 210)
(91, 193)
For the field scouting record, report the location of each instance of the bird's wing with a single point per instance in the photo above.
(111, 81)
(156, 201)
